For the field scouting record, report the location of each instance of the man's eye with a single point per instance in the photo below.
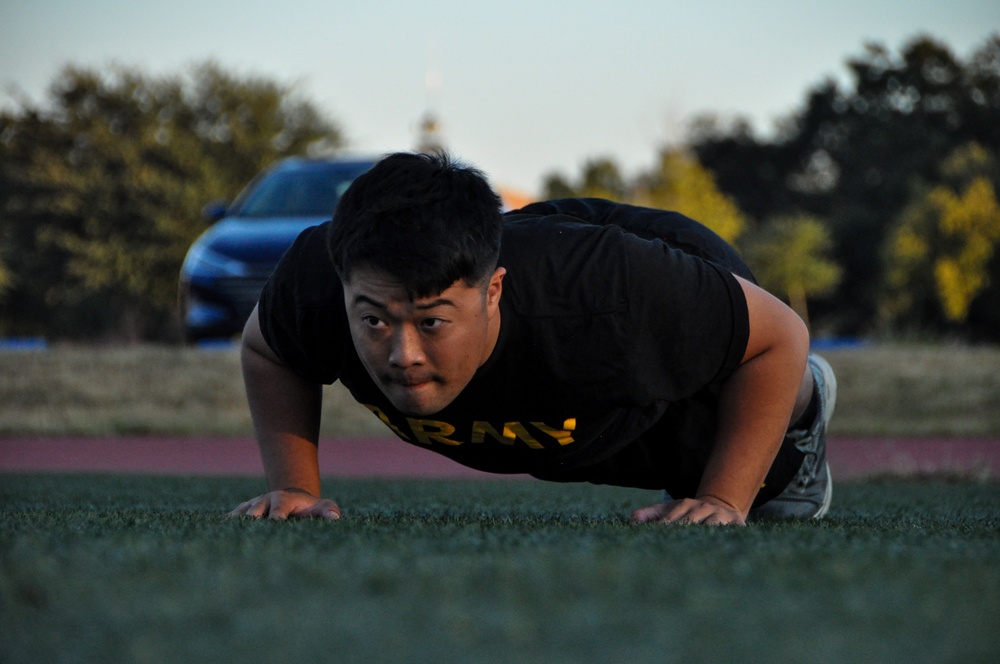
(431, 323)
(371, 321)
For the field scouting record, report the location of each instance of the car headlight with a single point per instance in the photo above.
(203, 262)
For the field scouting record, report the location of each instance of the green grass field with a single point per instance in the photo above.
(139, 569)
(135, 569)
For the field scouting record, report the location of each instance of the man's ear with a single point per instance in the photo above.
(495, 287)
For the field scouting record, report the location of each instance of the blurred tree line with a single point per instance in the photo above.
(101, 191)
(876, 204)
(872, 209)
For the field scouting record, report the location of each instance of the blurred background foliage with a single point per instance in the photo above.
(875, 203)
(872, 209)
(101, 191)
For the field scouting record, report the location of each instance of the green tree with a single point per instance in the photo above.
(678, 182)
(556, 186)
(791, 256)
(855, 155)
(603, 179)
(600, 178)
(100, 190)
(681, 183)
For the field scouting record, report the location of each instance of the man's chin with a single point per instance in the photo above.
(417, 402)
(416, 410)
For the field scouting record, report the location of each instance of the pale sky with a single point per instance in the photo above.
(523, 87)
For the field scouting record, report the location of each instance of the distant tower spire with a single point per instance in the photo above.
(430, 139)
(430, 134)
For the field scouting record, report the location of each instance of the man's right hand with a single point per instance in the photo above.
(288, 504)
(286, 416)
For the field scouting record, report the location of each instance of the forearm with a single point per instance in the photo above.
(756, 402)
(286, 417)
(754, 410)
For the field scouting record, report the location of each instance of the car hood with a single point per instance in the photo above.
(253, 240)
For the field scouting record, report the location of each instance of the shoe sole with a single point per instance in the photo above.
(830, 404)
(829, 387)
(827, 494)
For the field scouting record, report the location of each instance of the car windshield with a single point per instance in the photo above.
(298, 193)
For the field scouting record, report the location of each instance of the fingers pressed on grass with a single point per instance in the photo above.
(647, 514)
(255, 509)
(688, 511)
(243, 509)
(273, 507)
(325, 509)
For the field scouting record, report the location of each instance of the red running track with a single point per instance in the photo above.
(849, 458)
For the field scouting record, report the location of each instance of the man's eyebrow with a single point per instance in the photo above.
(439, 302)
(364, 299)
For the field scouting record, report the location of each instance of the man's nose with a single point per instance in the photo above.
(407, 347)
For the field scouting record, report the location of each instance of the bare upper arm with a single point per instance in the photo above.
(772, 322)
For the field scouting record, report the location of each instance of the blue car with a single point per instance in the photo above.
(227, 266)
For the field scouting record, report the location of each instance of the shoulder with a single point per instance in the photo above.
(301, 309)
(307, 263)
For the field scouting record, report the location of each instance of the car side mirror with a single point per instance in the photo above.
(214, 211)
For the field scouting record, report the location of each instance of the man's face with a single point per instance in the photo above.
(421, 352)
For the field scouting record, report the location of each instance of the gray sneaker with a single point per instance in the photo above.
(808, 494)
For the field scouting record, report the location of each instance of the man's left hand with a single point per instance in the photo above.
(707, 511)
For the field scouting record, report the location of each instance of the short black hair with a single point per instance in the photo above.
(424, 219)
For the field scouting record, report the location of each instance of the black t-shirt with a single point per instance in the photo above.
(613, 346)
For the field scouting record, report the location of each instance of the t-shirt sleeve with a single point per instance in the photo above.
(301, 310)
(690, 318)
